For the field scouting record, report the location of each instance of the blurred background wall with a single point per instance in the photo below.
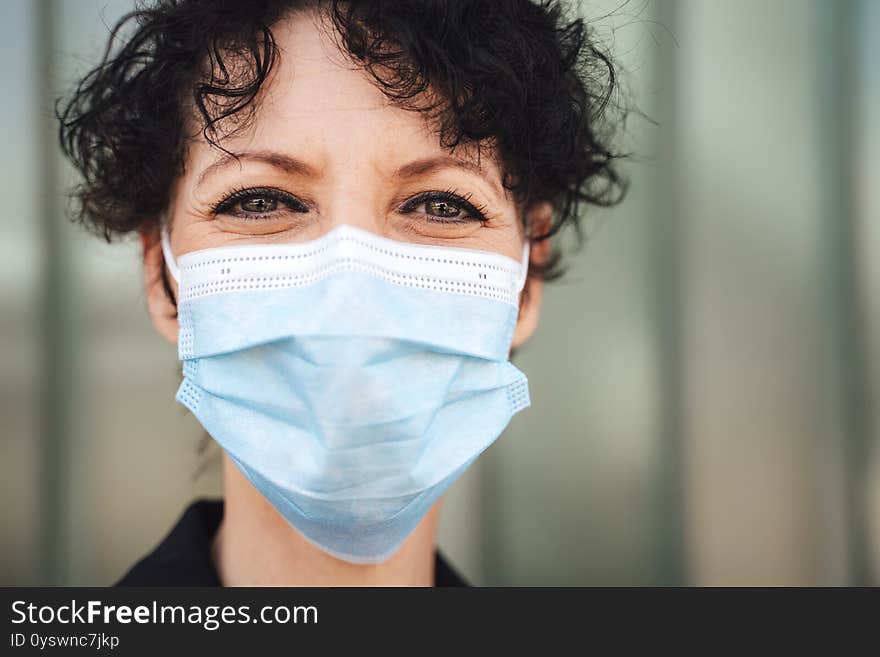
(703, 380)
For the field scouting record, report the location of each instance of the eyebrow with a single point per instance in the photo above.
(292, 165)
(278, 160)
(431, 164)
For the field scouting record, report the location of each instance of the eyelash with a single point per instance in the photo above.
(238, 194)
(477, 213)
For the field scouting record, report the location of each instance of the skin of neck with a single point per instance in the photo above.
(256, 546)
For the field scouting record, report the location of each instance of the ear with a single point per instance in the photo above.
(161, 307)
(539, 219)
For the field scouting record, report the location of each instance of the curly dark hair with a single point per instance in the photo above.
(517, 73)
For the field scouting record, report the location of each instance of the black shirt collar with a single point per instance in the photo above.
(183, 558)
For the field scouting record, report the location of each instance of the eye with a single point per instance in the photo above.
(446, 207)
(258, 203)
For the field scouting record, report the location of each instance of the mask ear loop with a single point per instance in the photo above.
(523, 267)
(524, 262)
(170, 262)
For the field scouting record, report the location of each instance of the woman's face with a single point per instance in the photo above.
(327, 148)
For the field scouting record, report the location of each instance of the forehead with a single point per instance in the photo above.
(323, 107)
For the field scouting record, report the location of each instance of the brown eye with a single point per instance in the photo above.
(441, 208)
(258, 204)
(445, 207)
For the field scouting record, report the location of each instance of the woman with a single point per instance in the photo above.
(345, 211)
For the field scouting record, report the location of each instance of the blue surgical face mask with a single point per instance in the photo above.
(352, 378)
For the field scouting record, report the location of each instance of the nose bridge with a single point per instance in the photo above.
(354, 184)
